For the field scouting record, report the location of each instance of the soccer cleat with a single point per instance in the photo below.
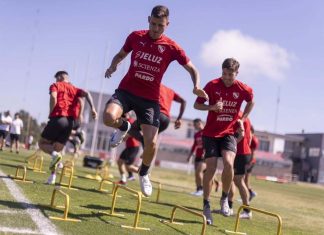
(208, 215)
(246, 215)
(198, 193)
(146, 185)
(131, 178)
(51, 179)
(252, 195)
(121, 182)
(55, 161)
(225, 209)
(117, 136)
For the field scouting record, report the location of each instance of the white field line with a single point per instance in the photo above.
(10, 212)
(17, 230)
(44, 225)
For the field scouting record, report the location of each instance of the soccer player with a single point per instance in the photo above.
(197, 150)
(241, 162)
(128, 155)
(15, 131)
(63, 101)
(167, 95)
(254, 145)
(226, 95)
(5, 122)
(139, 90)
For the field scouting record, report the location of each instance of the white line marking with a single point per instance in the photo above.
(10, 212)
(17, 230)
(44, 225)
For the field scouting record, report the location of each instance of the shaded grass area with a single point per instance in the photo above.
(300, 205)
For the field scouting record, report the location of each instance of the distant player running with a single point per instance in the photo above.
(63, 101)
(139, 90)
(226, 96)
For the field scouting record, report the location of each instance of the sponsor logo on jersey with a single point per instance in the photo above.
(144, 76)
(225, 118)
(146, 67)
(143, 43)
(149, 57)
(227, 103)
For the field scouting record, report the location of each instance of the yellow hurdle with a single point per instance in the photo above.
(159, 190)
(204, 222)
(279, 227)
(66, 206)
(67, 171)
(138, 209)
(22, 178)
(35, 162)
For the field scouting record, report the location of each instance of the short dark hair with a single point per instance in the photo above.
(60, 73)
(197, 120)
(160, 11)
(231, 64)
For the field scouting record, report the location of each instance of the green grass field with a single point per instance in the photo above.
(301, 206)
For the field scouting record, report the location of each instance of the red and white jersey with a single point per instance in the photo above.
(167, 95)
(149, 60)
(222, 123)
(67, 99)
(254, 143)
(197, 147)
(243, 147)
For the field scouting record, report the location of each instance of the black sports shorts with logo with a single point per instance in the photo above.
(147, 111)
(58, 129)
(214, 146)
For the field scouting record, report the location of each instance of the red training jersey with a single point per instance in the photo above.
(222, 123)
(67, 99)
(167, 95)
(254, 143)
(131, 141)
(243, 147)
(149, 60)
(197, 147)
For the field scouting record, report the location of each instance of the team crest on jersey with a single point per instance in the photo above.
(161, 48)
(236, 95)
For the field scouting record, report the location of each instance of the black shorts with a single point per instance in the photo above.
(129, 155)
(14, 137)
(250, 167)
(3, 134)
(199, 159)
(164, 122)
(58, 129)
(147, 111)
(214, 146)
(241, 164)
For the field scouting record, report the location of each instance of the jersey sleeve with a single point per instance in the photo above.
(180, 56)
(248, 94)
(128, 43)
(53, 88)
(176, 97)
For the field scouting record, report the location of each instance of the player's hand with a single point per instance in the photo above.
(177, 124)
(110, 71)
(200, 93)
(218, 106)
(240, 125)
(94, 114)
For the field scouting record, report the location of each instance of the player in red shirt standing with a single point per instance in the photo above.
(139, 90)
(64, 98)
(226, 95)
(198, 150)
(254, 145)
(241, 162)
(128, 155)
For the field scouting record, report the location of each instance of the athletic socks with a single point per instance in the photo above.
(206, 203)
(54, 154)
(224, 195)
(143, 170)
(123, 178)
(230, 204)
(124, 126)
(199, 188)
(130, 174)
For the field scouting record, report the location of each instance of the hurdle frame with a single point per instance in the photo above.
(22, 178)
(66, 206)
(63, 174)
(279, 227)
(204, 225)
(138, 208)
(35, 162)
(159, 190)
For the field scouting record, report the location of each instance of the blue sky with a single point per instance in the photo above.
(279, 44)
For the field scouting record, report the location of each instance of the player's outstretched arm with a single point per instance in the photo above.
(183, 103)
(248, 108)
(53, 101)
(90, 102)
(114, 63)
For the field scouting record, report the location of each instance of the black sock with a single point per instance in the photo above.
(130, 174)
(224, 195)
(230, 204)
(143, 170)
(250, 191)
(206, 203)
(124, 126)
(199, 188)
(246, 210)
